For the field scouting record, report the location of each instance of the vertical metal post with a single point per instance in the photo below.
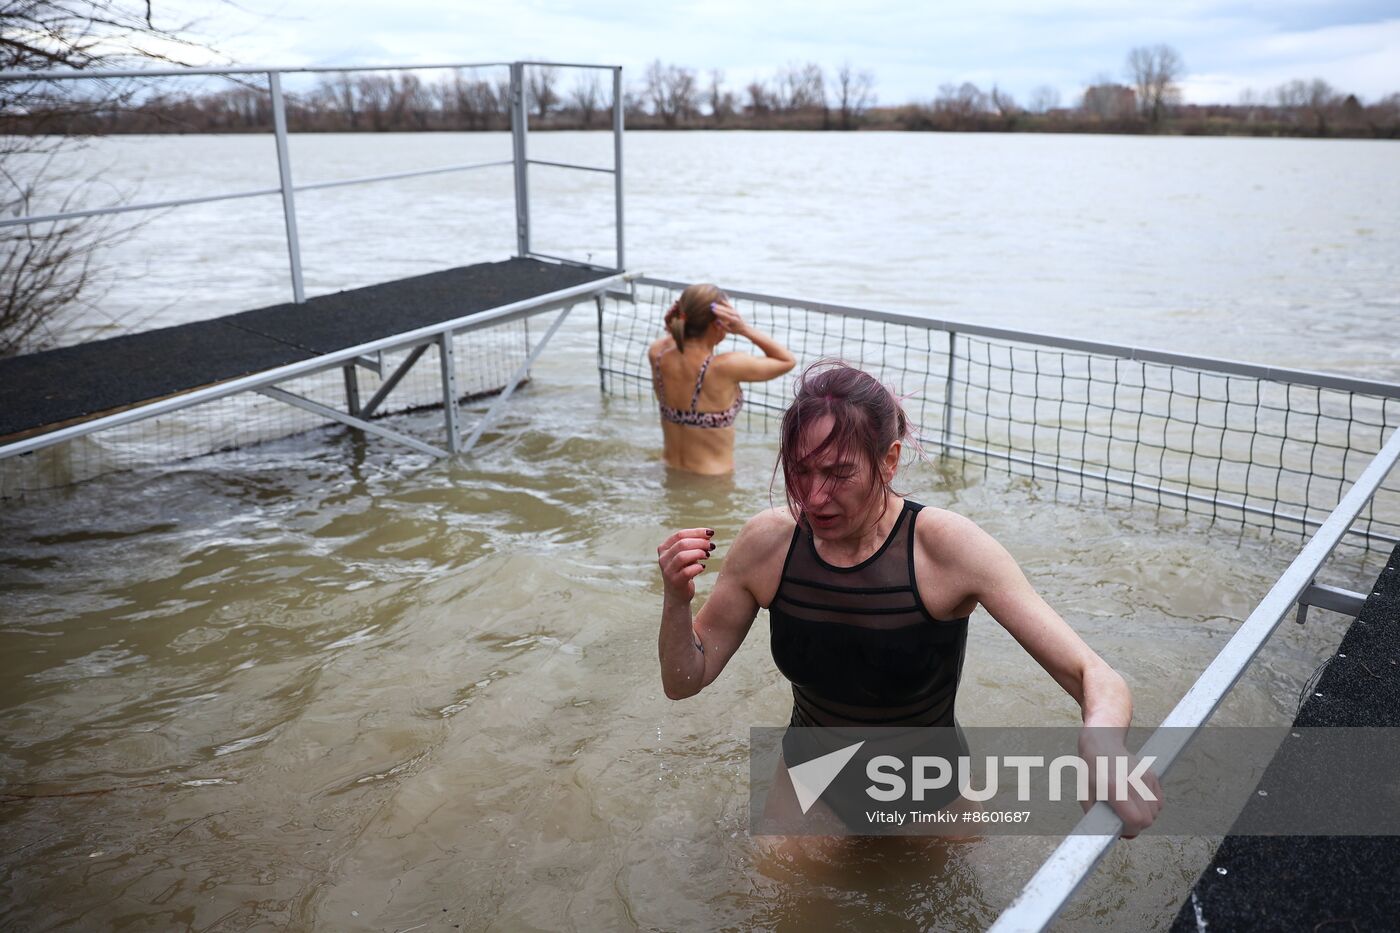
(519, 126)
(617, 165)
(948, 391)
(602, 381)
(352, 390)
(449, 391)
(284, 168)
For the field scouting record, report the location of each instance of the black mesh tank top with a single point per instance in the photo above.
(857, 642)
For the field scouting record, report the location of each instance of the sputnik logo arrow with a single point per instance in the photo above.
(810, 778)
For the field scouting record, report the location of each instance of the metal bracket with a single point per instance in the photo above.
(374, 364)
(1329, 597)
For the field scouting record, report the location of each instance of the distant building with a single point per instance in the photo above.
(1110, 101)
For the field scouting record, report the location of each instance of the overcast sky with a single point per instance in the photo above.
(911, 47)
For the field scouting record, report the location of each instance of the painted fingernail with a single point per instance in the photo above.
(709, 532)
(712, 545)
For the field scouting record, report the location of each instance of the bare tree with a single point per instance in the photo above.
(1003, 103)
(673, 92)
(722, 102)
(585, 96)
(1154, 71)
(1044, 99)
(961, 101)
(375, 93)
(47, 268)
(540, 82)
(475, 103)
(855, 94)
(1313, 101)
(760, 97)
(801, 87)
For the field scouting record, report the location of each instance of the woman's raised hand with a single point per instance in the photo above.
(682, 558)
(728, 318)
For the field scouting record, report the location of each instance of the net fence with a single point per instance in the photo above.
(483, 361)
(1238, 442)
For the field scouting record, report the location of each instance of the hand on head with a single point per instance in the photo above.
(729, 319)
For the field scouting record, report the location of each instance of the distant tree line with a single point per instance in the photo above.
(797, 96)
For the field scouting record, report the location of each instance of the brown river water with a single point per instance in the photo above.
(324, 683)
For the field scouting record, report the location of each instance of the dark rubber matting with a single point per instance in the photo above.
(70, 384)
(1326, 883)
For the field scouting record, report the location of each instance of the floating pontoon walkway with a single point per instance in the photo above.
(62, 391)
(1318, 882)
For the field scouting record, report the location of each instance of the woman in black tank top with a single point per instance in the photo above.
(868, 593)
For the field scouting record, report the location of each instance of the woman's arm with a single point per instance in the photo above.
(693, 651)
(745, 367)
(1105, 702)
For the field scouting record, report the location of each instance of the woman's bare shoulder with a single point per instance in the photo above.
(758, 551)
(944, 532)
(767, 527)
(659, 346)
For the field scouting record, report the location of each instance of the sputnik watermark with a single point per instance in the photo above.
(935, 773)
(1041, 780)
(889, 785)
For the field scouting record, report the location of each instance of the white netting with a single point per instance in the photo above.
(1260, 451)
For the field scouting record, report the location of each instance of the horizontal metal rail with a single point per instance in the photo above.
(394, 176)
(1140, 354)
(261, 192)
(253, 381)
(565, 260)
(1060, 875)
(66, 75)
(574, 65)
(584, 168)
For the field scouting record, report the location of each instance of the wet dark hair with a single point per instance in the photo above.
(692, 314)
(867, 417)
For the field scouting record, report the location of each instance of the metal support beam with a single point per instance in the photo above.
(352, 389)
(617, 166)
(373, 404)
(519, 126)
(448, 361)
(324, 411)
(284, 168)
(602, 376)
(1332, 597)
(948, 391)
(498, 406)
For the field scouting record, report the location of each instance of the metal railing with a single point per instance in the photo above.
(520, 126)
(519, 114)
(1270, 445)
(1061, 875)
